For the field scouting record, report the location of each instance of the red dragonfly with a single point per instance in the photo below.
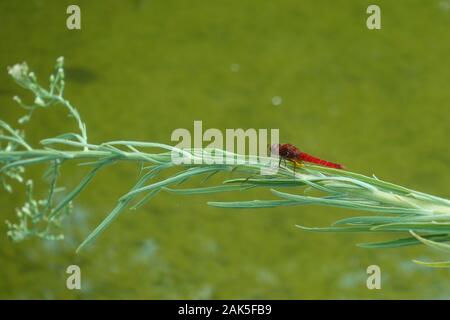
(291, 153)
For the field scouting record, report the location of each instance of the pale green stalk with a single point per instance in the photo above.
(395, 208)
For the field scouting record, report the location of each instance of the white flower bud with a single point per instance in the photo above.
(18, 71)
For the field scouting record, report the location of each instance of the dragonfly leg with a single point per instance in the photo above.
(294, 169)
(295, 165)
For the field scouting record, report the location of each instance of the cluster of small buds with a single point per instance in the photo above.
(57, 80)
(43, 98)
(30, 216)
(34, 218)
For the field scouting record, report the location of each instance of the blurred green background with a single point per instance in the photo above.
(377, 101)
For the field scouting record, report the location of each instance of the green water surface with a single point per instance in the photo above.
(375, 100)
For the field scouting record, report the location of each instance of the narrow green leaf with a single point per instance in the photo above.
(104, 224)
(410, 241)
(26, 162)
(335, 229)
(369, 220)
(414, 226)
(432, 244)
(145, 199)
(83, 183)
(254, 204)
(206, 190)
(349, 204)
(176, 178)
(442, 264)
(121, 205)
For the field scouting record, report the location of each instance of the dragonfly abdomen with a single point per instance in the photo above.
(309, 158)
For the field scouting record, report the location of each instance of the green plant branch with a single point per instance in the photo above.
(398, 209)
